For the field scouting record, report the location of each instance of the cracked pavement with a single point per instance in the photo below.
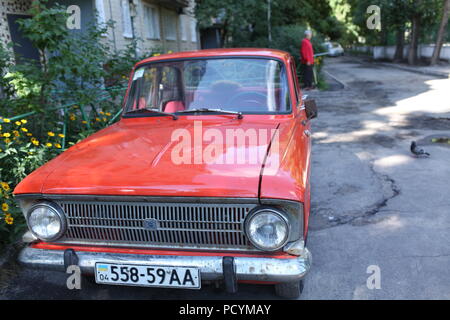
(373, 203)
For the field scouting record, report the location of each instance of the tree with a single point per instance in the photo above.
(441, 32)
(244, 23)
(415, 33)
(422, 14)
(396, 15)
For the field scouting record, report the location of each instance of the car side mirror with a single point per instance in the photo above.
(310, 107)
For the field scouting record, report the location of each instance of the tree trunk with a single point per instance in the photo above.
(400, 42)
(441, 33)
(413, 46)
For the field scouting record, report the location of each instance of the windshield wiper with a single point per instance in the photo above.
(175, 117)
(200, 110)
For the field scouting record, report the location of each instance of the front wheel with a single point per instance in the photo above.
(289, 290)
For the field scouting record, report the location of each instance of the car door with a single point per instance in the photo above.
(302, 142)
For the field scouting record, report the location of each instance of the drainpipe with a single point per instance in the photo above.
(133, 14)
(269, 14)
(113, 27)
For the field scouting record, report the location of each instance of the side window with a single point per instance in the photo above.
(294, 74)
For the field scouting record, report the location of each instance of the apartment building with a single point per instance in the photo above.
(158, 24)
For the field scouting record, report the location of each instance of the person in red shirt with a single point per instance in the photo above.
(307, 60)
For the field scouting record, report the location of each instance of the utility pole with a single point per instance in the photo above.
(269, 28)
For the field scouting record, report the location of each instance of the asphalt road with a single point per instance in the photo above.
(374, 204)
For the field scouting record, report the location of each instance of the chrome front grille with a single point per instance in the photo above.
(174, 225)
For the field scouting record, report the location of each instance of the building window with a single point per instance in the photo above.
(170, 26)
(193, 30)
(126, 19)
(151, 22)
(183, 27)
(101, 19)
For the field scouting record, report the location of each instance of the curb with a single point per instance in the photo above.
(335, 79)
(443, 75)
(438, 74)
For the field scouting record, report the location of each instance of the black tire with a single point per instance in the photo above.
(289, 290)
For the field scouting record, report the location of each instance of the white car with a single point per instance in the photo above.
(334, 49)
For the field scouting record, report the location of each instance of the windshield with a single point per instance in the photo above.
(247, 85)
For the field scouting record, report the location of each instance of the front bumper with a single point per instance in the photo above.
(211, 267)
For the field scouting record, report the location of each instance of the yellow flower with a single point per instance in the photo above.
(7, 134)
(170, 51)
(24, 129)
(51, 134)
(5, 207)
(104, 119)
(101, 112)
(6, 120)
(16, 133)
(61, 135)
(108, 113)
(0, 127)
(7, 140)
(83, 122)
(23, 121)
(1, 150)
(58, 145)
(9, 220)
(97, 119)
(156, 54)
(72, 117)
(48, 144)
(35, 142)
(29, 134)
(18, 123)
(5, 186)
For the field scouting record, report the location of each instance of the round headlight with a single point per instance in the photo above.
(46, 221)
(267, 229)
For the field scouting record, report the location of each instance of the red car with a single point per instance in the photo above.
(206, 178)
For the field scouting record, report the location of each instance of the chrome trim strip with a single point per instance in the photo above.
(133, 245)
(80, 197)
(247, 268)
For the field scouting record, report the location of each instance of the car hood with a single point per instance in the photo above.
(158, 156)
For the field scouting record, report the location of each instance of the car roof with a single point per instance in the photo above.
(253, 52)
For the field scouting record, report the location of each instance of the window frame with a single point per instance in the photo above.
(148, 22)
(183, 30)
(100, 8)
(193, 30)
(284, 68)
(127, 30)
(173, 15)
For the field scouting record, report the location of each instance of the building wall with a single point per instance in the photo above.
(113, 11)
(424, 51)
(10, 7)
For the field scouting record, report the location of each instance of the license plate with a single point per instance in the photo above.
(147, 276)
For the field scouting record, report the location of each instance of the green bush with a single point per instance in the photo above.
(77, 71)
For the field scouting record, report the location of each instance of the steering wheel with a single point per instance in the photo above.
(251, 98)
